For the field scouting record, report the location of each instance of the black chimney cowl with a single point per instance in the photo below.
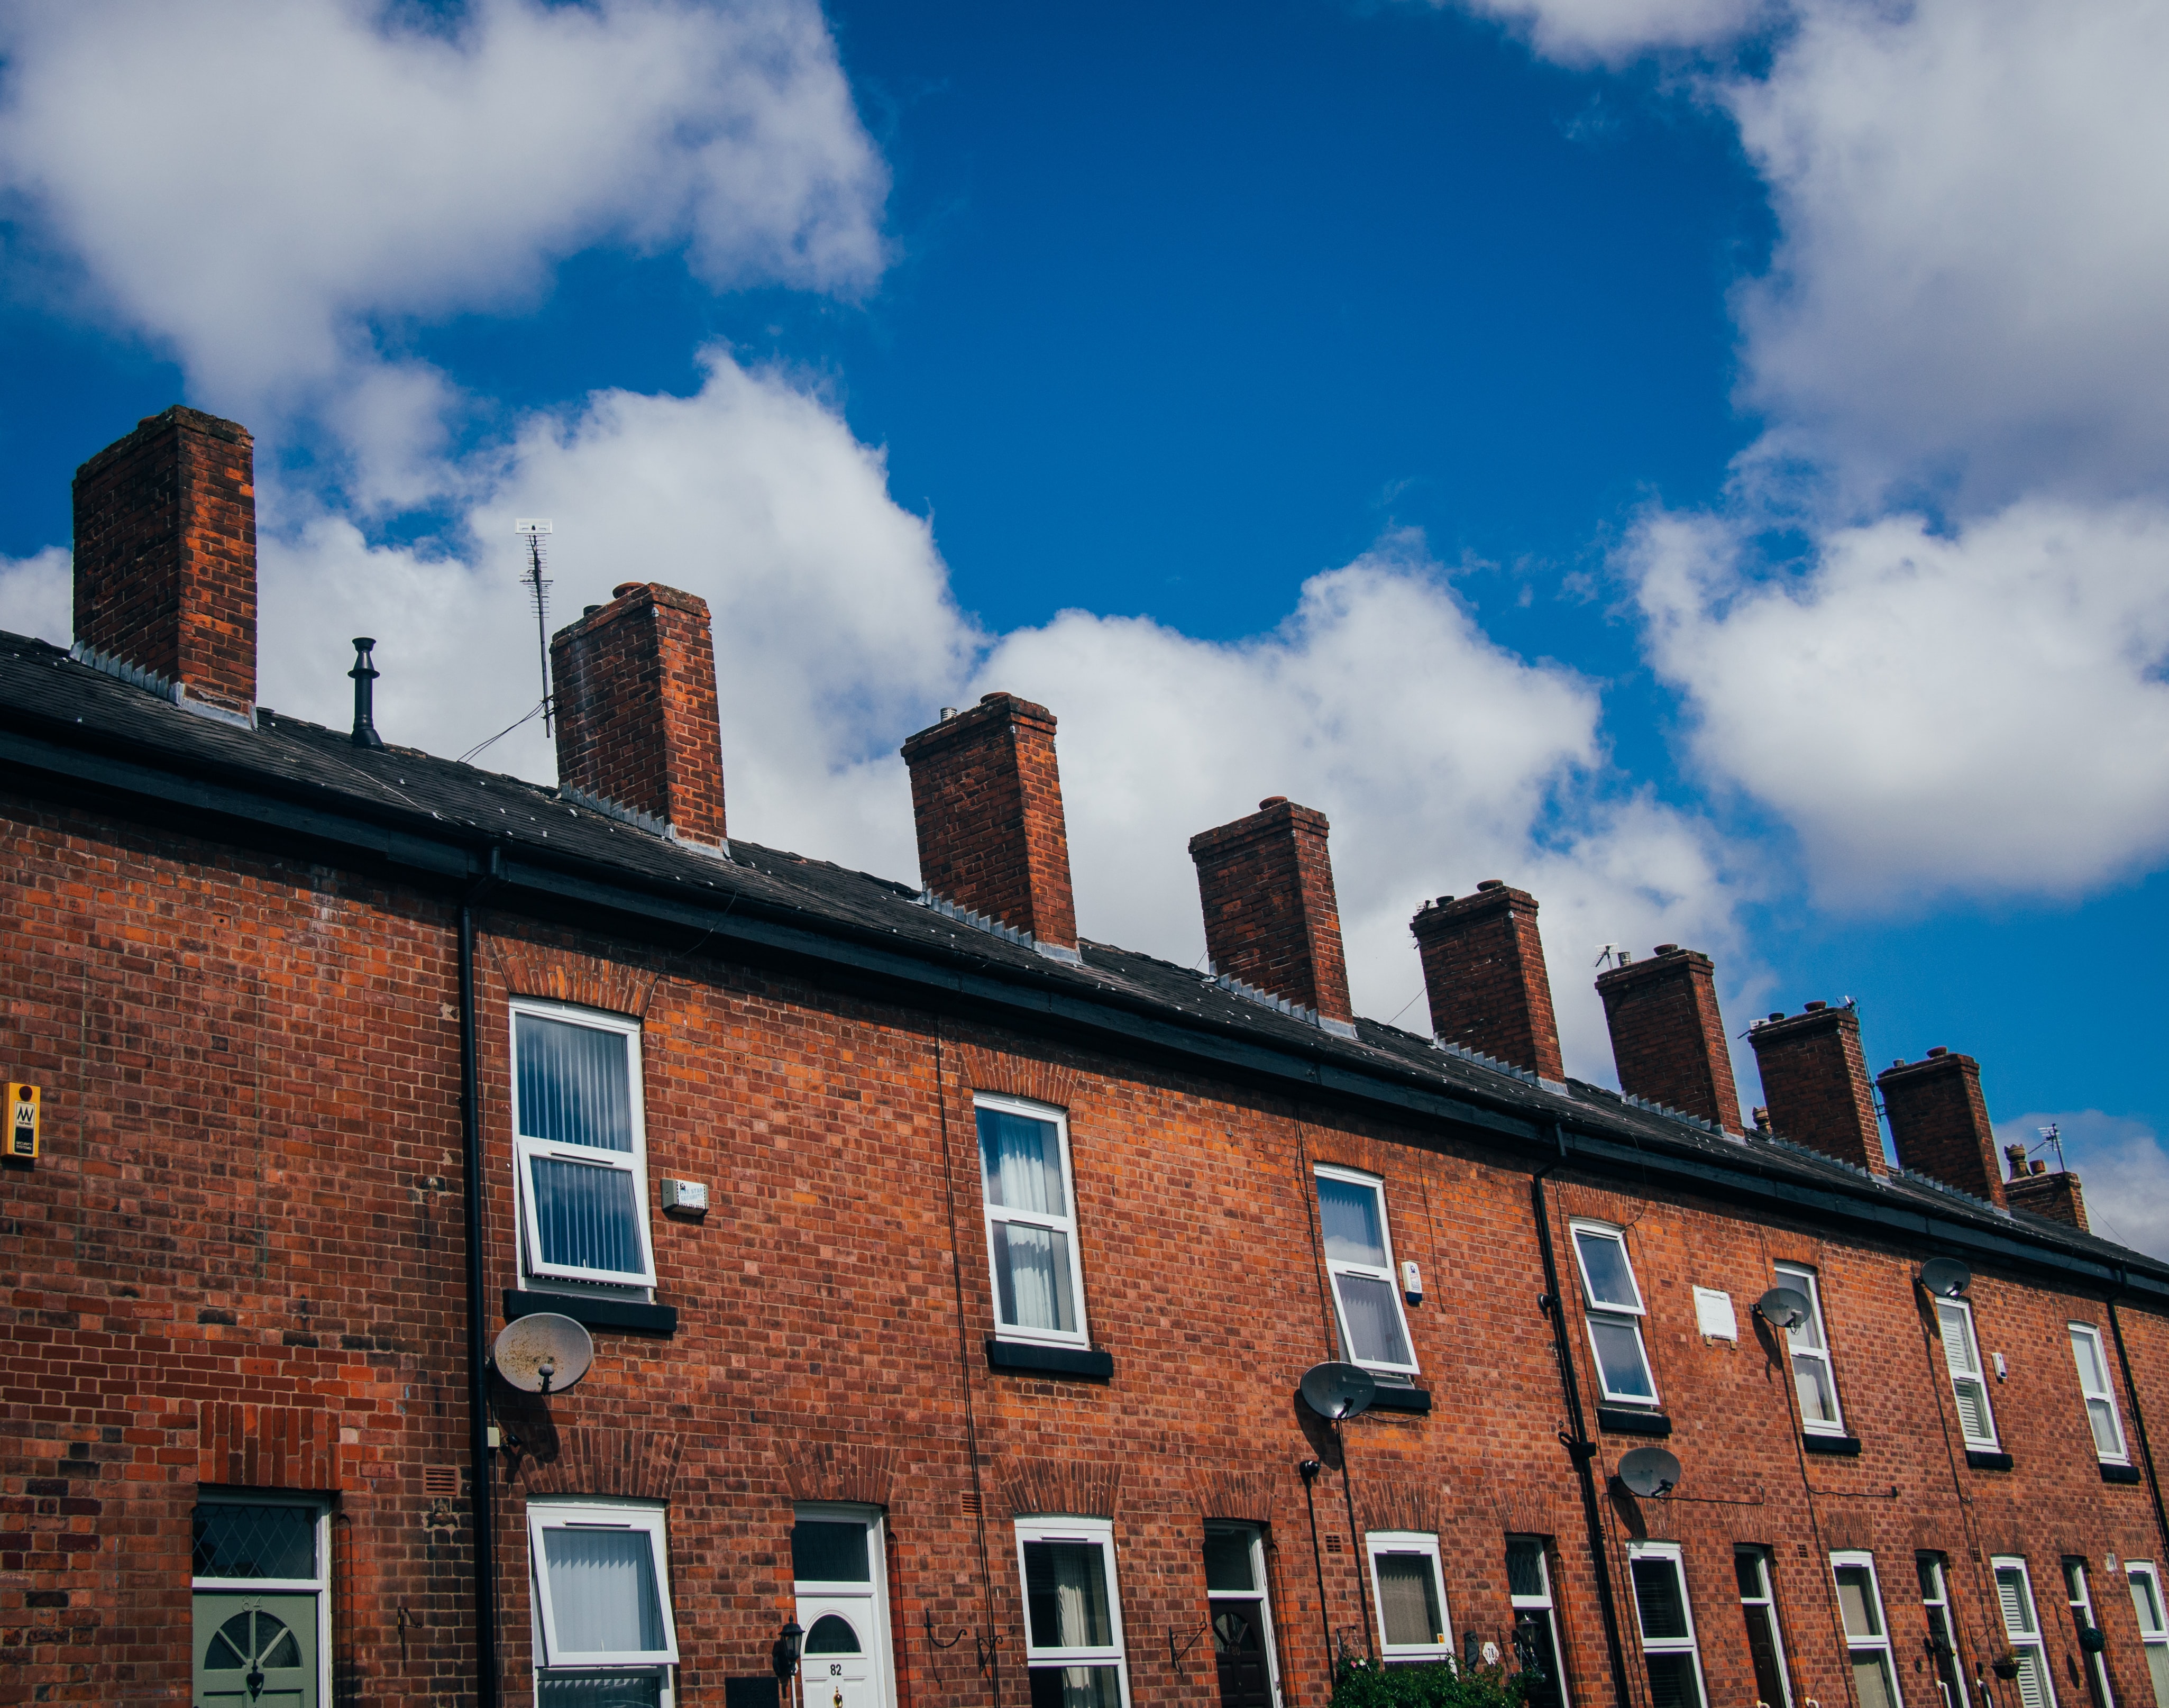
(364, 674)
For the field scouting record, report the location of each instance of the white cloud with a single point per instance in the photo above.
(1613, 30)
(37, 595)
(262, 188)
(2122, 1169)
(1979, 712)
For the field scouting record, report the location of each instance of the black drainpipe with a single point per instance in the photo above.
(2138, 1415)
(1575, 1439)
(478, 1461)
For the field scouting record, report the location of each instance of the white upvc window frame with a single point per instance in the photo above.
(2079, 1592)
(1390, 1275)
(1859, 1645)
(2024, 1644)
(1967, 1368)
(1804, 1280)
(555, 1514)
(1633, 1315)
(1067, 1225)
(1689, 1645)
(527, 1150)
(1096, 1532)
(2104, 1397)
(1408, 1542)
(320, 1585)
(2152, 1614)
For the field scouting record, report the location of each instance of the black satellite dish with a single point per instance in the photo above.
(1784, 1307)
(545, 1353)
(1649, 1470)
(1945, 1276)
(1338, 1391)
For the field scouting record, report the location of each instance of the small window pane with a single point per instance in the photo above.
(1958, 1340)
(1619, 1357)
(598, 1690)
(1348, 1217)
(1525, 1565)
(1748, 1568)
(1658, 1600)
(587, 1217)
(2157, 1668)
(1065, 1586)
(1818, 1402)
(1021, 1162)
(1076, 1687)
(1871, 1679)
(255, 1541)
(1374, 1326)
(1227, 1560)
(832, 1636)
(574, 1086)
(1857, 1603)
(825, 1550)
(1031, 1267)
(1672, 1682)
(2147, 1600)
(2103, 1422)
(1806, 1336)
(1408, 1599)
(603, 1591)
(1604, 1263)
(2087, 1351)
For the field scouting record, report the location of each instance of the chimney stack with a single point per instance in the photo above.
(1816, 1081)
(634, 687)
(2056, 1196)
(1668, 1037)
(986, 795)
(165, 559)
(1483, 973)
(1271, 917)
(1939, 1122)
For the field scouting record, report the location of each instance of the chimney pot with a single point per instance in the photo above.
(1816, 1081)
(1272, 800)
(1937, 1051)
(947, 712)
(2037, 1166)
(1492, 884)
(1668, 948)
(1779, 1015)
(1271, 919)
(1816, 1008)
(2015, 1154)
(1668, 1037)
(589, 610)
(364, 674)
(1939, 1122)
(1484, 976)
(625, 587)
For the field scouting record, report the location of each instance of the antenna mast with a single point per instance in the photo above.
(534, 530)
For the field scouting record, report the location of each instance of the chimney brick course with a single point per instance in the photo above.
(1272, 918)
(1668, 1036)
(1815, 1081)
(1485, 975)
(1939, 1122)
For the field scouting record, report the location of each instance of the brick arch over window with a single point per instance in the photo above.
(1079, 1490)
(1526, 1509)
(1845, 1533)
(1016, 1076)
(267, 1446)
(1403, 1507)
(590, 1459)
(836, 1471)
(1245, 1495)
(562, 975)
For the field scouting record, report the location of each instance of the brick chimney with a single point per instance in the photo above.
(1271, 917)
(986, 795)
(2033, 1188)
(635, 687)
(1668, 1037)
(1816, 1081)
(1939, 1122)
(1483, 971)
(165, 560)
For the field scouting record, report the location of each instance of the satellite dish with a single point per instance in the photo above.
(1945, 1276)
(1784, 1307)
(544, 1354)
(1338, 1391)
(1649, 1470)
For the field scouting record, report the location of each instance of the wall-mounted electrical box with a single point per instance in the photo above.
(686, 1198)
(1412, 1283)
(22, 1132)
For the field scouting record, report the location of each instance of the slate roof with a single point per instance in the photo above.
(55, 710)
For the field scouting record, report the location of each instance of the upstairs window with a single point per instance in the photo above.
(1968, 1387)
(2100, 1397)
(1615, 1313)
(1359, 1257)
(578, 1146)
(1809, 1343)
(1031, 1222)
(1867, 1634)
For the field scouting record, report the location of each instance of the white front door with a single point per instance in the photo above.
(836, 1558)
(838, 1662)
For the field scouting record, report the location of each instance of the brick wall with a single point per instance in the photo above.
(1271, 919)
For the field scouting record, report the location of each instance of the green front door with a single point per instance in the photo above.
(255, 1650)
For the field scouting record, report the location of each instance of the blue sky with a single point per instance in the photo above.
(1702, 460)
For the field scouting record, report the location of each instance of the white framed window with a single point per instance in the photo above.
(1943, 1631)
(1615, 1315)
(840, 1575)
(1031, 1222)
(1765, 1643)
(1409, 1593)
(1241, 1612)
(1866, 1632)
(2153, 1625)
(603, 1623)
(2100, 1394)
(1536, 1620)
(1072, 1615)
(1808, 1342)
(2080, 1594)
(580, 1145)
(1359, 1260)
(2022, 1630)
(1666, 1621)
(1968, 1386)
(261, 1578)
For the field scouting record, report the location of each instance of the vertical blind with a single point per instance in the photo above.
(1408, 1599)
(575, 1087)
(587, 1217)
(602, 1592)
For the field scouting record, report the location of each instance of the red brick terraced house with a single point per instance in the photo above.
(949, 1275)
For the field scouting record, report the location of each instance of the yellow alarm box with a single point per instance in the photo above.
(22, 1139)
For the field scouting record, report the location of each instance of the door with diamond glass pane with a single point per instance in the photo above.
(255, 1650)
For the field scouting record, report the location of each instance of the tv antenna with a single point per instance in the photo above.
(534, 530)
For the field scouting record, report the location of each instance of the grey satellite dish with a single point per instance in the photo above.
(545, 1353)
(1649, 1470)
(1784, 1307)
(1338, 1391)
(1945, 1276)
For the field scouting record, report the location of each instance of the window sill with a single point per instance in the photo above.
(2122, 1473)
(1844, 1446)
(1622, 1422)
(593, 1312)
(1981, 1458)
(1090, 1363)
